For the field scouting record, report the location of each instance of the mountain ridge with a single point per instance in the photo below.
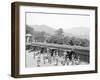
(79, 32)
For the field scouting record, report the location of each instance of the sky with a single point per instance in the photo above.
(56, 21)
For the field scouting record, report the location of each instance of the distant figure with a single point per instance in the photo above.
(44, 57)
(56, 58)
(49, 58)
(38, 59)
(63, 60)
(73, 59)
(77, 60)
(54, 55)
(70, 54)
(67, 60)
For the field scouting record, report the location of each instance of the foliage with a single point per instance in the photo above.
(40, 36)
(57, 38)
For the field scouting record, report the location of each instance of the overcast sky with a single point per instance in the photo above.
(58, 21)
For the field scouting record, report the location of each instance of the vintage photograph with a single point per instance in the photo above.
(56, 39)
(53, 39)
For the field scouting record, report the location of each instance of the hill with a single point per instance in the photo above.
(44, 28)
(79, 32)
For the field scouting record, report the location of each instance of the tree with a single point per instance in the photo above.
(59, 36)
(74, 41)
(71, 42)
(66, 40)
(52, 39)
(84, 42)
(30, 30)
(59, 32)
(40, 36)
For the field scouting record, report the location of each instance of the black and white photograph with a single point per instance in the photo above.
(57, 39)
(52, 39)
